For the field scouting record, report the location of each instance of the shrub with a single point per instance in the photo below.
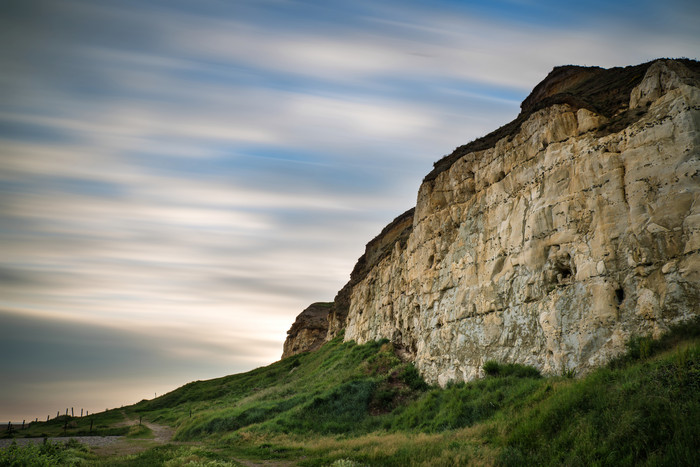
(47, 454)
(639, 347)
(413, 379)
(494, 368)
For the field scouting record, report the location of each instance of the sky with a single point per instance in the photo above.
(179, 179)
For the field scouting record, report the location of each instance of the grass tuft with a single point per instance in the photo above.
(496, 369)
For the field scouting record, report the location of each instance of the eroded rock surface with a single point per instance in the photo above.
(309, 330)
(574, 228)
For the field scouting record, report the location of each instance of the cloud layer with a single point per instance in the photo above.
(179, 179)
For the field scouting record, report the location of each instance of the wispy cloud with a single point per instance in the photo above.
(182, 180)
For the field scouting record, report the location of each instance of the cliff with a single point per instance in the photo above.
(550, 241)
(309, 330)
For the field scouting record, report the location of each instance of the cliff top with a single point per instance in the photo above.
(603, 91)
(315, 316)
(381, 245)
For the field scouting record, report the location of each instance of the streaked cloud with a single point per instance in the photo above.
(179, 179)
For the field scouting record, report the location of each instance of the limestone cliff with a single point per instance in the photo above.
(379, 248)
(552, 240)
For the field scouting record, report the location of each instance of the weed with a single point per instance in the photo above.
(47, 454)
(346, 463)
(494, 368)
(139, 432)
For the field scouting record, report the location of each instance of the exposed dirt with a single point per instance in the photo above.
(126, 446)
(162, 435)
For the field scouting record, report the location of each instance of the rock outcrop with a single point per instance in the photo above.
(552, 240)
(309, 330)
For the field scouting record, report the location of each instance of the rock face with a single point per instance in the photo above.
(309, 331)
(379, 248)
(554, 239)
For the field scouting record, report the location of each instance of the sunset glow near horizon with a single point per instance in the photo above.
(179, 179)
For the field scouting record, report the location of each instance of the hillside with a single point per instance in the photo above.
(349, 404)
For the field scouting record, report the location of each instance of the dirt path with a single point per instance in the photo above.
(162, 435)
(126, 446)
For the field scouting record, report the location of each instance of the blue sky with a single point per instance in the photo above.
(179, 179)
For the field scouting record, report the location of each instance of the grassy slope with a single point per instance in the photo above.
(362, 404)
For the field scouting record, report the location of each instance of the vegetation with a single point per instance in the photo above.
(349, 404)
(46, 454)
(107, 423)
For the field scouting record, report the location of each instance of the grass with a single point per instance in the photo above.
(338, 389)
(172, 455)
(47, 454)
(139, 432)
(645, 413)
(103, 424)
(349, 404)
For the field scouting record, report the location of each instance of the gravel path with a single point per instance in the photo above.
(92, 441)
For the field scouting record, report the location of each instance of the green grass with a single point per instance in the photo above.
(463, 404)
(171, 455)
(139, 432)
(646, 413)
(341, 388)
(103, 424)
(350, 403)
(47, 454)
(641, 409)
(494, 368)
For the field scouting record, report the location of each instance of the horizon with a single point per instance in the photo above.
(181, 179)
